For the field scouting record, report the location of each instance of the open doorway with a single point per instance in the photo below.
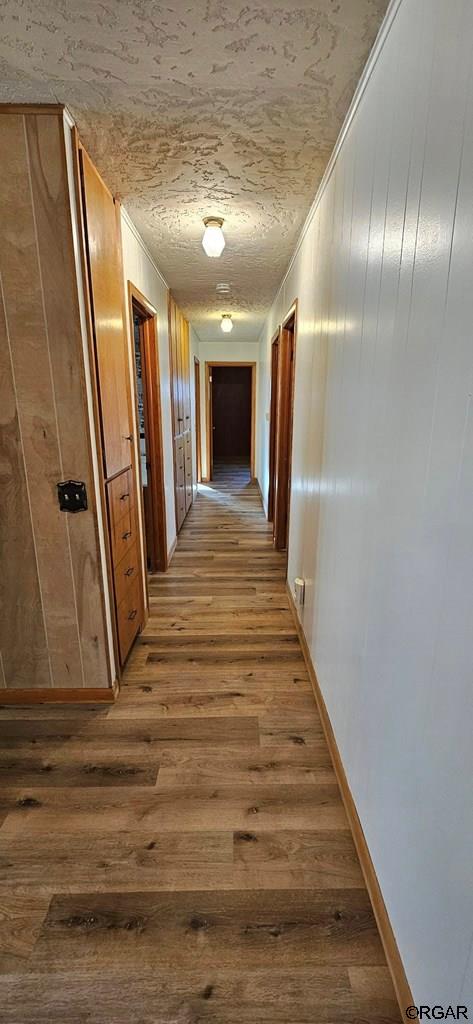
(148, 415)
(230, 417)
(283, 351)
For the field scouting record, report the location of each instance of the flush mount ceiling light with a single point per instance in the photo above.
(213, 241)
(227, 323)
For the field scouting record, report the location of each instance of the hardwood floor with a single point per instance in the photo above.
(184, 856)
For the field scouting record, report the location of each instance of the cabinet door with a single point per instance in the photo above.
(188, 469)
(103, 245)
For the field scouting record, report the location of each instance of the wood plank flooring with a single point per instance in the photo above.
(184, 856)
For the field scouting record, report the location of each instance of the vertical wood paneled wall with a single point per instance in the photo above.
(181, 410)
(52, 624)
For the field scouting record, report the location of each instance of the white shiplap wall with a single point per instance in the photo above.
(382, 503)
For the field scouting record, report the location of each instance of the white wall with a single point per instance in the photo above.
(382, 505)
(224, 351)
(139, 268)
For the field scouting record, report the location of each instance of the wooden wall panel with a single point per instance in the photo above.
(44, 349)
(56, 258)
(26, 664)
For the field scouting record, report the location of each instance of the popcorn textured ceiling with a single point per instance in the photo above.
(193, 109)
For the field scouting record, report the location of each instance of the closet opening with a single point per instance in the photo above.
(148, 417)
(230, 418)
(283, 356)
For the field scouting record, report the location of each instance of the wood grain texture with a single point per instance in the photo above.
(107, 302)
(21, 663)
(179, 362)
(49, 189)
(185, 853)
(53, 631)
(30, 354)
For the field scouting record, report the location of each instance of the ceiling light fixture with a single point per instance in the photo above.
(213, 241)
(227, 323)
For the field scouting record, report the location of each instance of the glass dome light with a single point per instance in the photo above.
(213, 240)
(227, 323)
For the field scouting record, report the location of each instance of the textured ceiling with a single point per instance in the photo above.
(194, 109)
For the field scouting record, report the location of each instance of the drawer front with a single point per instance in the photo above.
(129, 617)
(123, 536)
(121, 496)
(126, 572)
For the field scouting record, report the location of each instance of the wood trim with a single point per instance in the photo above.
(391, 951)
(94, 695)
(198, 425)
(135, 469)
(208, 426)
(284, 429)
(152, 384)
(208, 418)
(32, 108)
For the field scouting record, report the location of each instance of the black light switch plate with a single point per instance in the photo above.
(72, 496)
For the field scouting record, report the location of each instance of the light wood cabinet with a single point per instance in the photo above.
(181, 410)
(102, 245)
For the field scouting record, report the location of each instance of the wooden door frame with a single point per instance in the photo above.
(198, 428)
(154, 440)
(284, 437)
(273, 411)
(208, 412)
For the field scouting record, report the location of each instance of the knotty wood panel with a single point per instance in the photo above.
(54, 631)
(236, 930)
(208, 995)
(57, 268)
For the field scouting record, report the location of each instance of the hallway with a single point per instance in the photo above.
(184, 855)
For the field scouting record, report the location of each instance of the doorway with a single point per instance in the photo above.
(230, 416)
(283, 351)
(148, 418)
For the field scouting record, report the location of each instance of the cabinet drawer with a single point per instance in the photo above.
(126, 572)
(129, 617)
(121, 496)
(123, 536)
